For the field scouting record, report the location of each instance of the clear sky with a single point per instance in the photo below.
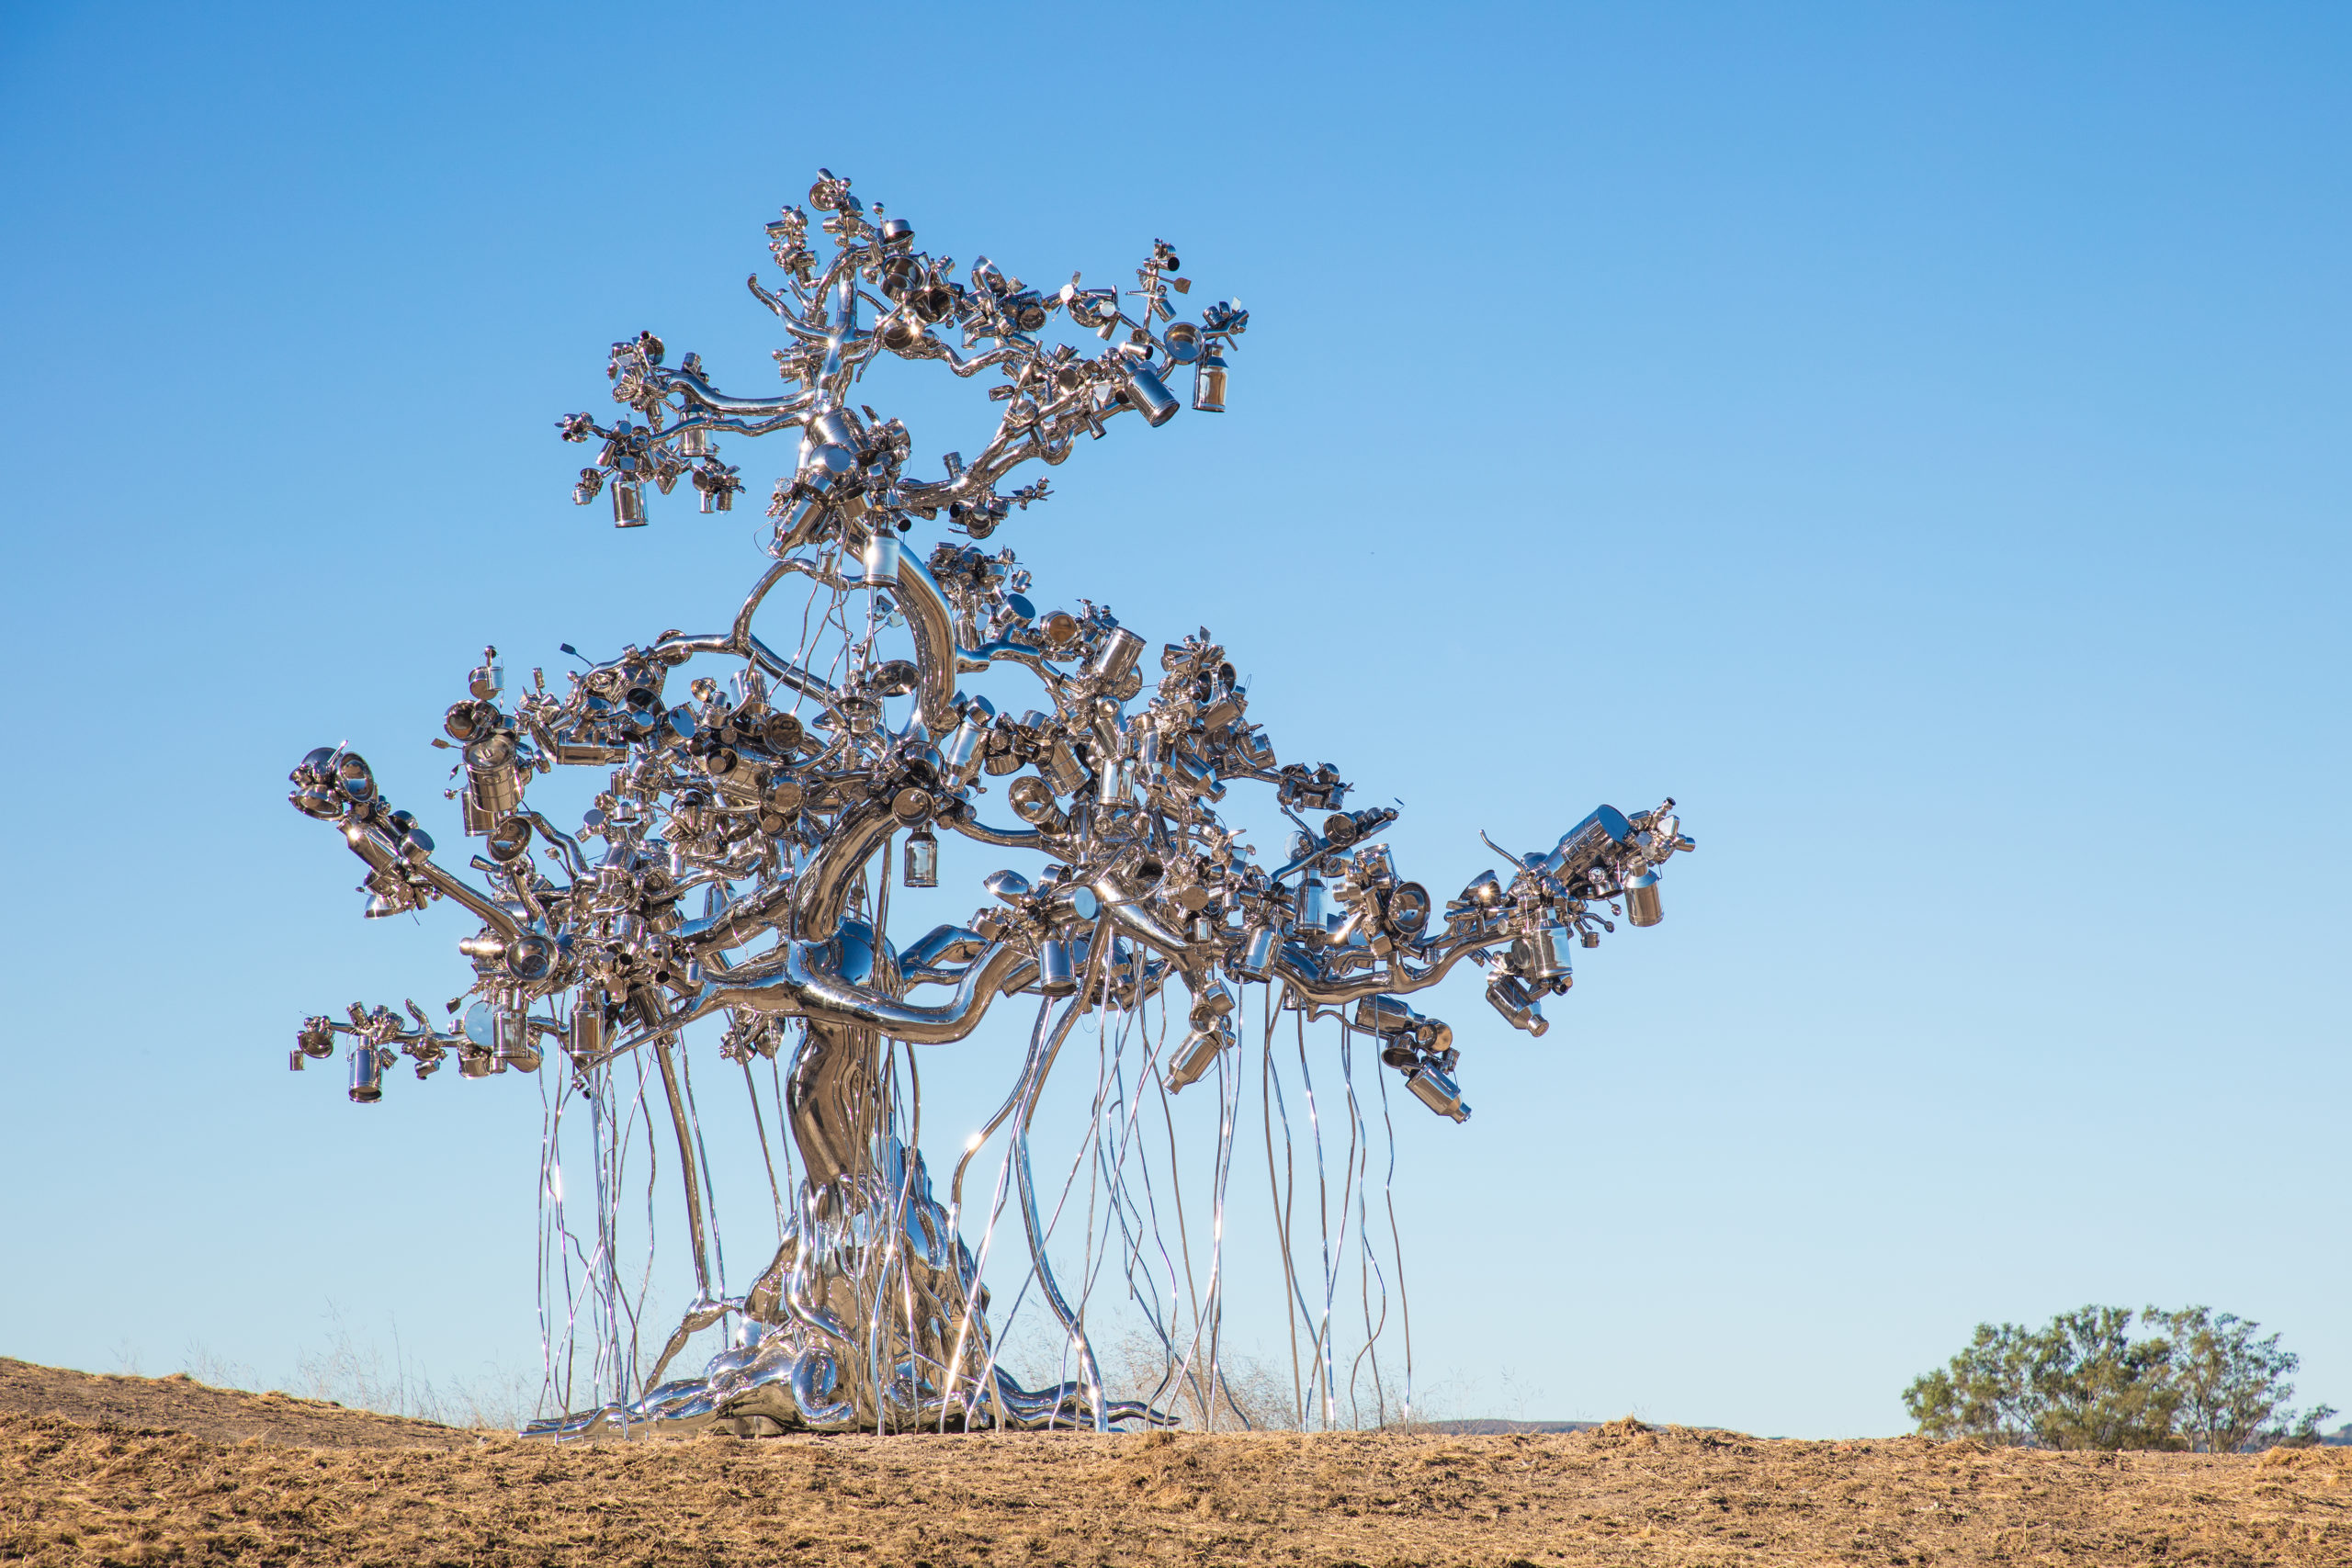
(1914, 437)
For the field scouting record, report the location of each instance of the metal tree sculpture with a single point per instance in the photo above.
(764, 801)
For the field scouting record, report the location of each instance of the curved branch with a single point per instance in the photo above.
(824, 883)
(800, 982)
(1003, 838)
(698, 390)
(1399, 978)
(372, 846)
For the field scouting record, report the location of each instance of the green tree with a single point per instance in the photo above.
(2099, 1388)
(2233, 1389)
(1987, 1392)
(2082, 1381)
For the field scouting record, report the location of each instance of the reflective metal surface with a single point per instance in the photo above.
(763, 785)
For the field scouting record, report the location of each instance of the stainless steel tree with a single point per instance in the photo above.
(774, 806)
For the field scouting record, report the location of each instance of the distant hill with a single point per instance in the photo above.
(1493, 1429)
(1489, 1427)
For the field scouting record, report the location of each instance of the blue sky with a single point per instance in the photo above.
(1914, 437)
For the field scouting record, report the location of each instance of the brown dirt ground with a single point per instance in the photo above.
(161, 1471)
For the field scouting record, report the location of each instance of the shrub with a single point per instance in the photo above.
(2191, 1379)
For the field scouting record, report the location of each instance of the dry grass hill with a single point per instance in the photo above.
(138, 1470)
